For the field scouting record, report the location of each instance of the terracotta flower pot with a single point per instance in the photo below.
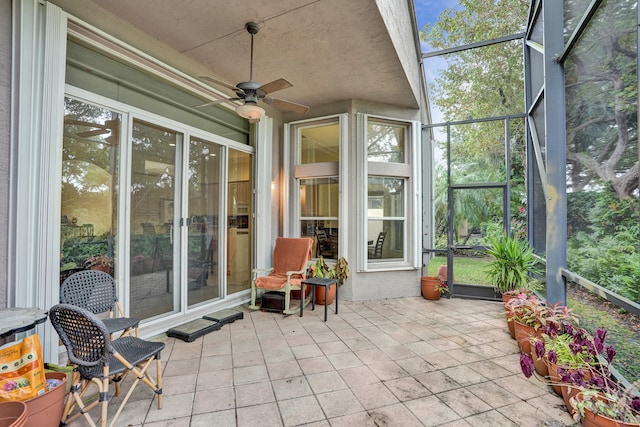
(295, 294)
(46, 409)
(554, 377)
(443, 271)
(105, 268)
(523, 334)
(510, 325)
(512, 328)
(321, 295)
(429, 286)
(567, 393)
(598, 420)
(540, 364)
(13, 413)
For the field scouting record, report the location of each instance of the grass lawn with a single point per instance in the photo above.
(467, 270)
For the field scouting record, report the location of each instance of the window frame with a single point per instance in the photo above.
(409, 172)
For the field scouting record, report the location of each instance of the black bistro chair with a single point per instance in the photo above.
(98, 360)
(96, 291)
(375, 251)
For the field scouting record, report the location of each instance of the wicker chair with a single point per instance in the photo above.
(97, 360)
(96, 291)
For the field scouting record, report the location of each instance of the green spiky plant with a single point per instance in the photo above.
(512, 265)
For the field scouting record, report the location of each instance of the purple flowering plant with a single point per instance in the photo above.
(584, 362)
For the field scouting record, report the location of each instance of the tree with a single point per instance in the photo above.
(602, 103)
(480, 83)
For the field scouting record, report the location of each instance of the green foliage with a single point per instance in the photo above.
(610, 261)
(76, 250)
(625, 340)
(601, 107)
(567, 358)
(479, 83)
(513, 263)
(605, 248)
(339, 270)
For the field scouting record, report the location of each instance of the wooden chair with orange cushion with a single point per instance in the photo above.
(291, 257)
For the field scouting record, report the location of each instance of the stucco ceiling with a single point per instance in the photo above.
(330, 50)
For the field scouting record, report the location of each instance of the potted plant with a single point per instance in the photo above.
(339, 271)
(100, 262)
(584, 376)
(532, 317)
(528, 316)
(619, 407)
(433, 287)
(512, 265)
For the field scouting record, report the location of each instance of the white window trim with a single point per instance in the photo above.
(413, 195)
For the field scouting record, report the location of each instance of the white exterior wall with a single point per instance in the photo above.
(5, 125)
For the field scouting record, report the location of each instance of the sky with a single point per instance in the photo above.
(427, 11)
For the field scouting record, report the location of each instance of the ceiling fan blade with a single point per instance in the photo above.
(217, 101)
(275, 86)
(286, 105)
(219, 82)
(68, 121)
(91, 133)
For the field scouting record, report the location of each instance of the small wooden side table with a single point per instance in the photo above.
(317, 281)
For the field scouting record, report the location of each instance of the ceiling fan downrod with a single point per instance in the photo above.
(252, 28)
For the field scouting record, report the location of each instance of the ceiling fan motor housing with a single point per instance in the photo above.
(249, 91)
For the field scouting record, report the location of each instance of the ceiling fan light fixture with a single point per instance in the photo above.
(250, 111)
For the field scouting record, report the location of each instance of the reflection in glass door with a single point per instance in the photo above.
(204, 210)
(152, 289)
(239, 222)
(90, 151)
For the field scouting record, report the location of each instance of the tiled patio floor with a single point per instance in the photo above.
(401, 362)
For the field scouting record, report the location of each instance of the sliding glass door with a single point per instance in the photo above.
(153, 290)
(204, 204)
(177, 255)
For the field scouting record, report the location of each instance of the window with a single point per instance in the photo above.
(385, 218)
(389, 164)
(385, 142)
(318, 154)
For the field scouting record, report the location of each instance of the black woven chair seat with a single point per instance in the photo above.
(135, 350)
(120, 323)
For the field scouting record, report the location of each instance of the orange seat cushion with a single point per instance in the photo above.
(290, 254)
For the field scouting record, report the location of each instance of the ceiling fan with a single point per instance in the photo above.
(251, 92)
(95, 129)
